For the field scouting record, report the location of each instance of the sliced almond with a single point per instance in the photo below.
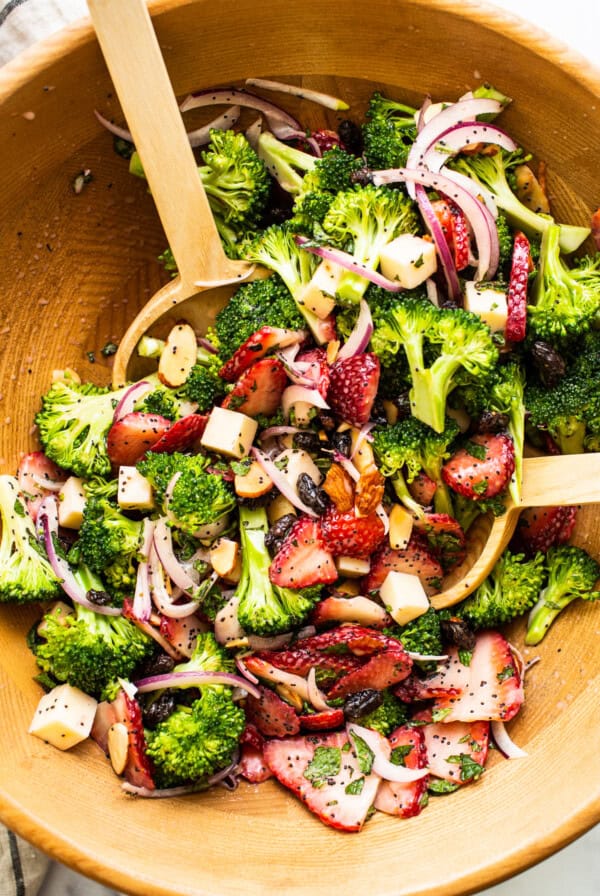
(223, 556)
(178, 356)
(290, 695)
(530, 191)
(279, 506)
(401, 525)
(253, 483)
(339, 486)
(363, 457)
(118, 744)
(235, 573)
(369, 490)
(391, 411)
(333, 348)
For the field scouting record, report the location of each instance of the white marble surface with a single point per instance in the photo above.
(576, 868)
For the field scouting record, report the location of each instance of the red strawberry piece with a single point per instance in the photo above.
(319, 770)
(416, 559)
(405, 800)
(303, 559)
(38, 477)
(299, 661)
(271, 715)
(182, 633)
(257, 345)
(350, 609)
(353, 388)
(130, 437)
(259, 389)
(318, 369)
(540, 528)
(381, 671)
(482, 468)
(423, 489)
(346, 535)
(324, 720)
(455, 230)
(445, 537)
(453, 747)
(516, 319)
(327, 139)
(490, 687)
(182, 434)
(569, 521)
(252, 765)
(139, 769)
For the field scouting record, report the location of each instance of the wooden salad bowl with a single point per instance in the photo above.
(76, 269)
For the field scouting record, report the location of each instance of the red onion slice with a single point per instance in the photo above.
(47, 519)
(473, 187)
(315, 696)
(507, 747)
(123, 133)
(227, 627)
(347, 464)
(245, 671)
(158, 590)
(163, 544)
(273, 432)
(308, 394)
(253, 132)
(381, 762)
(279, 121)
(468, 133)
(130, 398)
(304, 93)
(295, 683)
(443, 250)
(195, 680)
(362, 331)
(349, 263)
(223, 122)
(279, 480)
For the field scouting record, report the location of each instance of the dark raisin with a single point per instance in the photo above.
(307, 440)
(327, 421)
(159, 710)
(456, 631)
(549, 364)
(342, 442)
(363, 177)
(378, 414)
(159, 663)
(402, 402)
(276, 534)
(309, 492)
(351, 136)
(100, 598)
(361, 704)
(490, 421)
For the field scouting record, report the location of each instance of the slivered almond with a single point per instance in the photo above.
(178, 356)
(401, 524)
(391, 411)
(530, 191)
(223, 556)
(253, 483)
(333, 348)
(118, 743)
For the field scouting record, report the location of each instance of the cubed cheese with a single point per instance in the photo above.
(64, 717)
(409, 260)
(488, 303)
(135, 491)
(403, 596)
(319, 294)
(229, 433)
(71, 502)
(352, 567)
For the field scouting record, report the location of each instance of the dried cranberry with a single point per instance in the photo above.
(276, 534)
(309, 492)
(361, 703)
(549, 364)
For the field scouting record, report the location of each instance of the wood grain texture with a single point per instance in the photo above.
(75, 271)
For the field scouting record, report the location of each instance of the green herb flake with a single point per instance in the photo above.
(326, 763)
(241, 467)
(507, 672)
(399, 754)
(469, 769)
(477, 451)
(364, 754)
(355, 788)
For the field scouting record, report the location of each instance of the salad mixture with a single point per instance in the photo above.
(237, 557)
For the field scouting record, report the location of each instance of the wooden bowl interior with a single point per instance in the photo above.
(77, 268)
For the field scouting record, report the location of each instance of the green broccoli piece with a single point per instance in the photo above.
(389, 715)
(422, 635)
(204, 386)
(25, 572)
(286, 164)
(331, 173)
(197, 499)
(265, 608)
(363, 220)
(444, 347)
(388, 132)
(505, 240)
(408, 447)
(162, 401)
(493, 172)
(88, 649)
(109, 543)
(207, 656)
(510, 590)
(572, 574)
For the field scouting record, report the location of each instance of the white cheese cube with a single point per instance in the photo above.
(316, 300)
(71, 502)
(352, 567)
(409, 260)
(403, 596)
(64, 717)
(229, 433)
(488, 303)
(319, 293)
(134, 491)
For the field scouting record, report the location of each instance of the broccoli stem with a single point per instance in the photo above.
(542, 616)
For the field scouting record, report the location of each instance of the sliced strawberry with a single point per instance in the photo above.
(271, 715)
(303, 560)
(325, 720)
(353, 388)
(259, 389)
(516, 319)
(182, 633)
(405, 800)
(445, 536)
(346, 535)
(423, 489)
(139, 769)
(325, 773)
(540, 528)
(381, 671)
(489, 687)
(318, 370)
(482, 468)
(350, 609)
(416, 559)
(453, 747)
(252, 765)
(35, 469)
(455, 229)
(265, 340)
(182, 434)
(130, 437)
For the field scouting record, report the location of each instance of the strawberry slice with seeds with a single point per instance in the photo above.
(482, 468)
(353, 388)
(325, 772)
(130, 437)
(324, 720)
(259, 389)
(318, 370)
(252, 765)
(456, 751)
(346, 535)
(540, 528)
(405, 800)
(455, 230)
(139, 769)
(416, 558)
(303, 560)
(271, 715)
(363, 610)
(182, 633)
(265, 340)
(182, 434)
(423, 489)
(381, 671)
(445, 536)
(35, 469)
(516, 319)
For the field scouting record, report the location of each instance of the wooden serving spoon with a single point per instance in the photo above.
(547, 482)
(134, 59)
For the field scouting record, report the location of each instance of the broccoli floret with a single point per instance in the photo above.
(493, 172)
(265, 608)
(197, 499)
(388, 132)
(204, 386)
(363, 220)
(109, 543)
(511, 589)
(262, 303)
(572, 574)
(443, 346)
(564, 301)
(389, 715)
(422, 635)
(286, 164)
(505, 240)
(88, 649)
(408, 447)
(330, 174)
(207, 656)
(25, 572)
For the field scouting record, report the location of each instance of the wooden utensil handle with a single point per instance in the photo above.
(565, 479)
(134, 59)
